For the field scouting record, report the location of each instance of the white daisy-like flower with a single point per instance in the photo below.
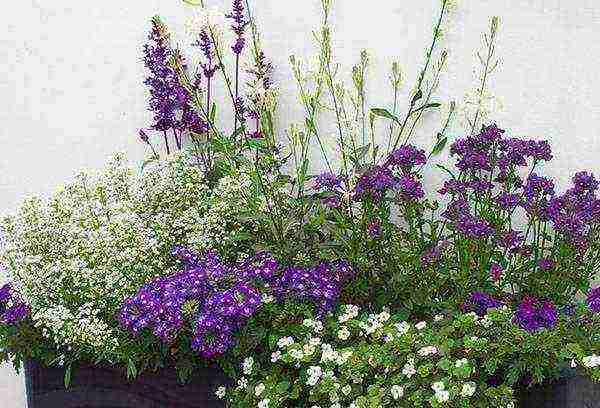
(285, 342)
(259, 389)
(343, 333)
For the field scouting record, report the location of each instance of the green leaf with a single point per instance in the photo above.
(385, 114)
(283, 386)
(446, 170)
(427, 106)
(417, 96)
(131, 369)
(67, 378)
(439, 146)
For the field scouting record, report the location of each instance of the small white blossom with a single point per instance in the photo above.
(275, 356)
(421, 325)
(397, 391)
(259, 389)
(468, 390)
(220, 392)
(264, 403)
(247, 365)
(343, 333)
(285, 341)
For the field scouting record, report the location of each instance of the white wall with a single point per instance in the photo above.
(71, 91)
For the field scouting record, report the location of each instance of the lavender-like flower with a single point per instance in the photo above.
(238, 26)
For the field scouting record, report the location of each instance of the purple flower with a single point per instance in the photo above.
(593, 300)
(546, 264)
(238, 26)
(511, 240)
(327, 181)
(454, 187)
(332, 201)
(406, 157)
(480, 302)
(218, 298)
(532, 314)
(496, 271)
(374, 184)
(409, 188)
(374, 229)
(12, 308)
(508, 201)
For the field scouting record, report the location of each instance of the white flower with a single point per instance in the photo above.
(442, 395)
(409, 368)
(220, 392)
(438, 318)
(243, 383)
(285, 341)
(204, 18)
(397, 391)
(264, 403)
(461, 362)
(427, 351)
(350, 312)
(314, 374)
(402, 327)
(296, 353)
(247, 365)
(343, 333)
(267, 298)
(346, 389)
(438, 386)
(259, 389)
(591, 361)
(275, 356)
(314, 341)
(328, 353)
(308, 349)
(343, 357)
(468, 390)
(573, 363)
(383, 316)
(421, 325)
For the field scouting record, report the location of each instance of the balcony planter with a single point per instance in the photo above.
(566, 392)
(106, 387)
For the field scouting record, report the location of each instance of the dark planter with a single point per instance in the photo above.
(106, 387)
(567, 392)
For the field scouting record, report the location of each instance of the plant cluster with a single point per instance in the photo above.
(236, 245)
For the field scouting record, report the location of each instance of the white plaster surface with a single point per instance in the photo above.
(71, 90)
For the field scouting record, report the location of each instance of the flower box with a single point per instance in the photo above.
(103, 387)
(567, 392)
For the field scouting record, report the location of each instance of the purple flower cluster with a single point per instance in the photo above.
(593, 300)
(238, 26)
(574, 212)
(532, 314)
(459, 212)
(320, 284)
(218, 298)
(395, 174)
(12, 308)
(480, 302)
(170, 102)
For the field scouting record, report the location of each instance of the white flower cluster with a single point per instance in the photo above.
(75, 256)
(591, 361)
(338, 374)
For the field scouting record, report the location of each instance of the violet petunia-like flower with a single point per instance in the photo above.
(533, 314)
(593, 300)
(546, 264)
(480, 302)
(218, 298)
(12, 308)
